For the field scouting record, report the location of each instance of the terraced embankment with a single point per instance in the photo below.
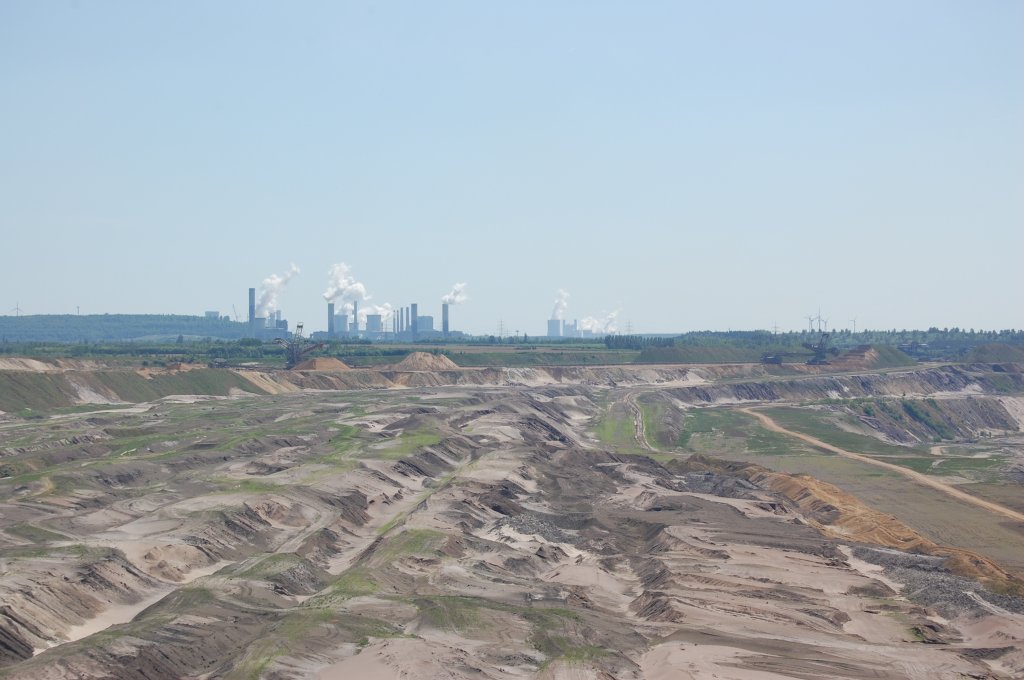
(31, 384)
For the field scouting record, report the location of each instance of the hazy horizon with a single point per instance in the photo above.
(688, 166)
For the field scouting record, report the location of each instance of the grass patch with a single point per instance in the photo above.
(271, 565)
(535, 357)
(817, 424)
(407, 443)
(767, 443)
(21, 390)
(35, 534)
(557, 634)
(616, 428)
(689, 354)
(247, 486)
(352, 583)
(451, 612)
(343, 438)
(653, 415)
(725, 422)
(409, 542)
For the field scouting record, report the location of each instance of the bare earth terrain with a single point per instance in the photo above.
(430, 522)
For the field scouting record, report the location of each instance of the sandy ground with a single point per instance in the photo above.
(443, 533)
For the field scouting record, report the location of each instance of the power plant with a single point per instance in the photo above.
(402, 324)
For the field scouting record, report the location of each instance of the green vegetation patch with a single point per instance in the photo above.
(537, 356)
(996, 352)
(248, 486)
(343, 437)
(558, 633)
(686, 354)
(452, 612)
(724, 421)
(928, 414)
(653, 418)
(819, 425)
(354, 582)
(406, 444)
(410, 542)
(891, 357)
(616, 428)
(20, 390)
(272, 565)
(35, 534)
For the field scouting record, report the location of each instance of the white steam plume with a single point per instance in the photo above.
(385, 310)
(342, 285)
(272, 285)
(561, 304)
(457, 296)
(606, 325)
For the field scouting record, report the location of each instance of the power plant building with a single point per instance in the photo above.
(554, 328)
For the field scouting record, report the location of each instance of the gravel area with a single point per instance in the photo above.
(928, 583)
(529, 523)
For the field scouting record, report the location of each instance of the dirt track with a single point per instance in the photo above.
(906, 472)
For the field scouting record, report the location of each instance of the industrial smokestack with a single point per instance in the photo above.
(415, 318)
(330, 319)
(355, 316)
(444, 319)
(252, 306)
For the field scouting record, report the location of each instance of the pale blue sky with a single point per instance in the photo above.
(694, 165)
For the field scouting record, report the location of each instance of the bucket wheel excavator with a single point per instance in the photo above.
(819, 353)
(298, 347)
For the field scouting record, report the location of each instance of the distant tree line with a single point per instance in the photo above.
(637, 341)
(89, 328)
(933, 343)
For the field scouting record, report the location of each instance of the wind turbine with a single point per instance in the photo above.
(854, 322)
(17, 309)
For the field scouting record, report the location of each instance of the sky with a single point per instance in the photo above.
(688, 165)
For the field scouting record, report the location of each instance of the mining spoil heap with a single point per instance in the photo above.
(328, 364)
(602, 522)
(422, 361)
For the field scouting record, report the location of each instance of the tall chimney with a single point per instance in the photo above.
(444, 319)
(355, 316)
(415, 322)
(330, 319)
(252, 306)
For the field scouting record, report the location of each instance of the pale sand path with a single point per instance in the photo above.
(639, 432)
(924, 480)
